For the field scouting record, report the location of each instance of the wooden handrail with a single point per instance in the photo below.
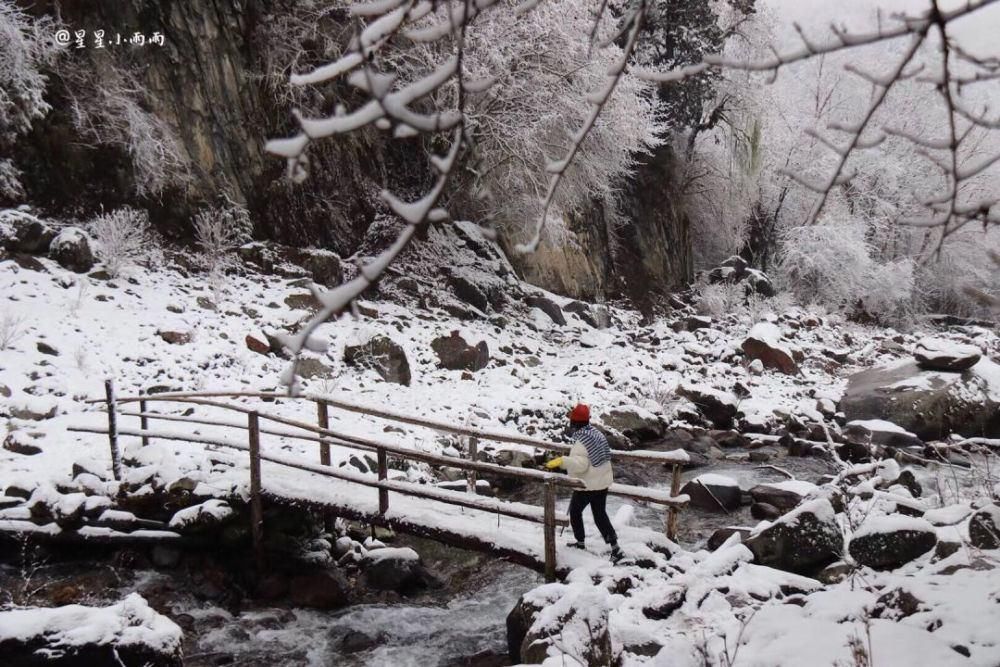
(492, 505)
(675, 456)
(325, 436)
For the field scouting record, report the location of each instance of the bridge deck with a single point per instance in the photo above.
(517, 540)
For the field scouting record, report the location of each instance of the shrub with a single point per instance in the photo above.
(218, 232)
(124, 237)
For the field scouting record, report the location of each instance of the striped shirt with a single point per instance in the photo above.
(598, 450)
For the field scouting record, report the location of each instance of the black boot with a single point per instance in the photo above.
(616, 553)
(576, 544)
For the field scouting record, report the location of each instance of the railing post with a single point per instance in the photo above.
(383, 474)
(143, 421)
(116, 455)
(256, 511)
(323, 419)
(470, 475)
(549, 530)
(675, 487)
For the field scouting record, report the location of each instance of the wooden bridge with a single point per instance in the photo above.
(457, 517)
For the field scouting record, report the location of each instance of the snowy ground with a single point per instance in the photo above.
(66, 333)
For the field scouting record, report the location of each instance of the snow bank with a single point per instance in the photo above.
(131, 622)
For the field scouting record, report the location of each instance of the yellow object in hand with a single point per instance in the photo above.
(555, 463)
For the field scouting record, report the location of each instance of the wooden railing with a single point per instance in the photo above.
(325, 436)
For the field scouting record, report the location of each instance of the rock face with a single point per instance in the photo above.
(943, 355)
(71, 249)
(887, 542)
(457, 355)
(763, 344)
(713, 492)
(929, 404)
(984, 528)
(802, 541)
(651, 252)
(382, 355)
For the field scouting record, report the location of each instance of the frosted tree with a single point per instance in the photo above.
(26, 49)
(418, 71)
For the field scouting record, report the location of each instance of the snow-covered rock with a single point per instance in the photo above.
(801, 541)
(713, 492)
(888, 541)
(764, 344)
(784, 495)
(127, 633)
(929, 404)
(984, 528)
(939, 354)
(71, 248)
(383, 355)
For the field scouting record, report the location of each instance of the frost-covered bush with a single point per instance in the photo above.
(124, 237)
(12, 328)
(107, 109)
(827, 262)
(719, 299)
(219, 231)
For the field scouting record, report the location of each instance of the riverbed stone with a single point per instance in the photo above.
(888, 542)
(802, 541)
(984, 528)
(323, 589)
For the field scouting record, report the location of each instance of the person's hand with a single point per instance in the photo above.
(555, 463)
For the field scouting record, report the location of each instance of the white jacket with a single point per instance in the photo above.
(577, 465)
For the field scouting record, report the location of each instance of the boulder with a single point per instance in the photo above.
(880, 432)
(356, 641)
(735, 269)
(519, 621)
(717, 406)
(382, 355)
(984, 528)
(764, 512)
(784, 495)
(802, 541)
(636, 423)
(175, 337)
(258, 344)
(886, 542)
(468, 292)
(392, 569)
(457, 355)
(763, 344)
(30, 235)
(127, 633)
(20, 443)
(71, 249)
(713, 492)
(323, 266)
(929, 404)
(937, 354)
(583, 311)
(324, 589)
(547, 306)
(720, 536)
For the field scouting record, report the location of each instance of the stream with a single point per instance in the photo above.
(462, 623)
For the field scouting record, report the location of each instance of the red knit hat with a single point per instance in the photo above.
(580, 413)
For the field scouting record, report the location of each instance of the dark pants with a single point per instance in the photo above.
(597, 501)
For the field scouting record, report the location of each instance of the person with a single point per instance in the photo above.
(589, 460)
